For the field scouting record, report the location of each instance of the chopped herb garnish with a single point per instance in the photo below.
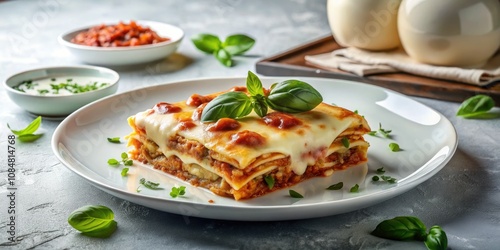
(124, 171)
(113, 162)
(394, 147)
(53, 79)
(372, 133)
(114, 139)
(384, 132)
(388, 179)
(345, 142)
(149, 184)
(125, 160)
(43, 91)
(177, 191)
(295, 194)
(375, 178)
(354, 189)
(269, 181)
(380, 170)
(337, 186)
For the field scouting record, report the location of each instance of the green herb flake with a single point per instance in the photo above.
(128, 162)
(113, 162)
(354, 189)
(114, 139)
(372, 133)
(177, 191)
(388, 179)
(384, 132)
(269, 181)
(336, 186)
(375, 178)
(124, 172)
(345, 142)
(394, 147)
(124, 156)
(295, 194)
(27, 134)
(380, 170)
(150, 184)
(93, 221)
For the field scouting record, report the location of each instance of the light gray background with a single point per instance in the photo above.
(463, 198)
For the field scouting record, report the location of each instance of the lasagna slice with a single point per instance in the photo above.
(250, 156)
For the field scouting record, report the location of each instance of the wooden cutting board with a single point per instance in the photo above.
(292, 63)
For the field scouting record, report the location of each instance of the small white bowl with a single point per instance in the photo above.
(60, 105)
(119, 56)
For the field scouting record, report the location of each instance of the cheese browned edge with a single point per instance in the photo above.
(232, 157)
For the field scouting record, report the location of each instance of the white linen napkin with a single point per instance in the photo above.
(364, 63)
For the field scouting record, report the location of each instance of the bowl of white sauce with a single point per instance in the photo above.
(58, 91)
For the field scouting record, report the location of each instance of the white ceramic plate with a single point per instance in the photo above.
(119, 56)
(428, 141)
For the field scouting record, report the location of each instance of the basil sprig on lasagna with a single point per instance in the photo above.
(290, 96)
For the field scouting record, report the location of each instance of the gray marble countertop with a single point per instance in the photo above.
(463, 198)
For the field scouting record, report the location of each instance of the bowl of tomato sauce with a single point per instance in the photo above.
(123, 43)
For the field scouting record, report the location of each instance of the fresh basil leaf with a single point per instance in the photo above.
(30, 129)
(269, 181)
(238, 43)
(293, 96)
(207, 43)
(224, 57)
(231, 105)
(475, 106)
(436, 239)
(295, 194)
(104, 232)
(254, 85)
(337, 186)
(401, 228)
(29, 137)
(259, 105)
(354, 189)
(94, 221)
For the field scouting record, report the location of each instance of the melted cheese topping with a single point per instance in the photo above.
(304, 143)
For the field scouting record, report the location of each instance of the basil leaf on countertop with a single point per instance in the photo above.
(436, 239)
(224, 57)
(94, 221)
(238, 44)
(207, 43)
(401, 228)
(231, 105)
(26, 134)
(293, 96)
(476, 106)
